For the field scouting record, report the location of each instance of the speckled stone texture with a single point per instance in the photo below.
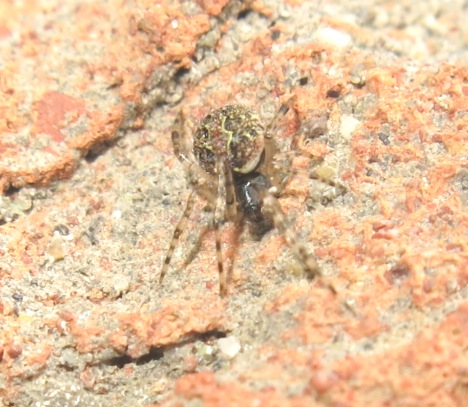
(91, 194)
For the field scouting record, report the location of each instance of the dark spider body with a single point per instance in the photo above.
(231, 163)
(233, 136)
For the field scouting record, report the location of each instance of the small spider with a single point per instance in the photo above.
(231, 163)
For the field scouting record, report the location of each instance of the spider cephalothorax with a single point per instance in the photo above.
(231, 162)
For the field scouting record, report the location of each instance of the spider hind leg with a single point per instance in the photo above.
(180, 228)
(280, 221)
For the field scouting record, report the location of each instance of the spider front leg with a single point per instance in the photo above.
(271, 147)
(225, 195)
(328, 194)
(200, 185)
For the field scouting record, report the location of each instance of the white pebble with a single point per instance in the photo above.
(229, 346)
(333, 37)
(348, 125)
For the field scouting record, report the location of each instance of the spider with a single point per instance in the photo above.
(231, 164)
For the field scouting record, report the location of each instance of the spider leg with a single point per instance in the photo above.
(329, 194)
(274, 168)
(271, 147)
(180, 150)
(276, 161)
(280, 114)
(279, 219)
(340, 188)
(221, 169)
(200, 179)
(201, 182)
(184, 157)
(177, 232)
(272, 205)
(231, 200)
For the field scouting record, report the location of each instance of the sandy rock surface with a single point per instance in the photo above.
(92, 192)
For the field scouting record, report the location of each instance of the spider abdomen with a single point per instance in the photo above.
(232, 133)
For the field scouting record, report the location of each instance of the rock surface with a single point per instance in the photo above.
(92, 193)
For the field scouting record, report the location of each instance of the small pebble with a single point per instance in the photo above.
(348, 125)
(229, 346)
(334, 37)
(55, 249)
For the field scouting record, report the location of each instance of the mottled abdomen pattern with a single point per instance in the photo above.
(233, 133)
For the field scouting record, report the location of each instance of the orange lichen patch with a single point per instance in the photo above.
(426, 220)
(20, 354)
(61, 168)
(422, 205)
(168, 27)
(317, 319)
(291, 293)
(258, 57)
(412, 111)
(171, 325)
(365, 327)
(136, 333)
(426, 371)
(455, 142)
(418, 256)
(382, 80)
(27, 242)
(56, 110)
(269, 252)
(334, 233)
(284, 356)
(451, 271)
(37, 356)
(294, 195)
(161, 31)
(212, 7)
(104, 126)
(86, 334)
(315, 98)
